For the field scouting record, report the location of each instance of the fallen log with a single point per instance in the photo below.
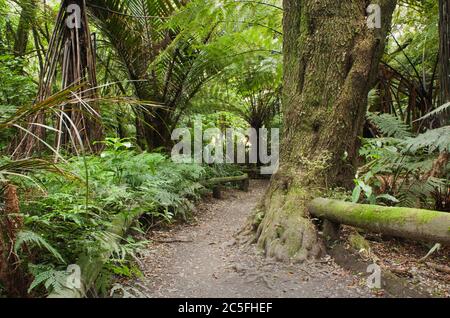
(439, 268)
(408, 223)
(222, 180)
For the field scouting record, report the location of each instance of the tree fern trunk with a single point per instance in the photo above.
(12, 276)
(72, 52)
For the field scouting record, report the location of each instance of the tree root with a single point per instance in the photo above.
(284, 231)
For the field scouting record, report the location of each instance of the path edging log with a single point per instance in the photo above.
(419, 224)
(217, 183)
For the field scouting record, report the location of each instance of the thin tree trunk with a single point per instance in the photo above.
(331, 60)
(444, 57)
(27, 16)
(12, 276)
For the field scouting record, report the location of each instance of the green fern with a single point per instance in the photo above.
(405, 158)
(435, 139)
(53, 280)
(390, 125)
(30, 237)
(436, 112)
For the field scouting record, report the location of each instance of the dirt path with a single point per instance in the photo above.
(202, 260)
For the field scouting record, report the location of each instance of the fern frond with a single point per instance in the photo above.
(435, 112)
(373, 98)
(434, 139)
(34, 238)
(53, 280)
(390, 125)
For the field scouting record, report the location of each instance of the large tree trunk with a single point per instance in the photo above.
(331, 59)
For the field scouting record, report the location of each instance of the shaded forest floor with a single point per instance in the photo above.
(402, 258)
(202, 259)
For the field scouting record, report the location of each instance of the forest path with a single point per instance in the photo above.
(202, 260)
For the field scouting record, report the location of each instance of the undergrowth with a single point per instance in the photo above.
(404, 169)
(71, 217)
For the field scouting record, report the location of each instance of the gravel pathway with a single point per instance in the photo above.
(203, 260)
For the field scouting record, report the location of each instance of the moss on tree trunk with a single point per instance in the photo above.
(331, 58)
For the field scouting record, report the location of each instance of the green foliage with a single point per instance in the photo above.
(362, 187)
(53, 280)
(31, 238)
(415, 28)
(390, 125)
(431, 140)
(16, 89)
(396, 163)
(121, 181)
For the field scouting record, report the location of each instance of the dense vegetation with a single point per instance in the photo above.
(86, 120)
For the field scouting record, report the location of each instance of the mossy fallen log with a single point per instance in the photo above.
(223, 180)
(432, 226)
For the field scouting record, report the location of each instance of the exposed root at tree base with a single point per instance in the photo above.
(284, 231)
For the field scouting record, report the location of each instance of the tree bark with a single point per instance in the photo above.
(330, 62)
(27, 16)
(444, 58)
(409, 223)
(12, 276)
